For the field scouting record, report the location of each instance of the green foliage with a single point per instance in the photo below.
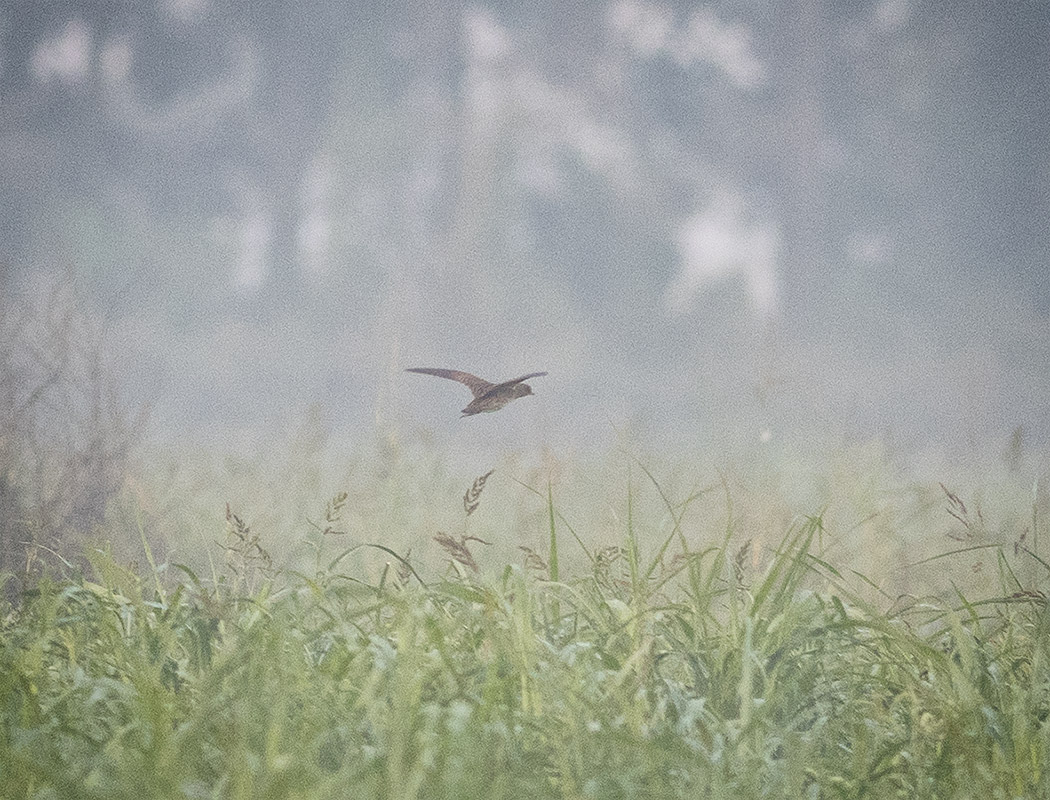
(674, 670)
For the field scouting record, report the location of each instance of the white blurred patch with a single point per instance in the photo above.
(65, 57)
(187, 12)
(603, 149)
(115, 60)
(719, 242)
(486, 39)
(314, 238)
(890, 15)
(650, 29)
(487, 45)
(314, 230)
(563, 119)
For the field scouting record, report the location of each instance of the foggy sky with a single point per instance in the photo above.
(720, 223)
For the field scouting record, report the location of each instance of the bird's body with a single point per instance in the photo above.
(487, 396)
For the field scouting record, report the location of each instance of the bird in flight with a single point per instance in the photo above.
(487, 396)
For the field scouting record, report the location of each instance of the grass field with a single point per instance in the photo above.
(688, 635)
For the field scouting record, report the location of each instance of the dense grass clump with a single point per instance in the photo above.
(660, 669)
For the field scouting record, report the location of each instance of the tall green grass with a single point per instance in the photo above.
(659, 665)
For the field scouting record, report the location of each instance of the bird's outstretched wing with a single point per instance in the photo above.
(523, 378)
(478, 386)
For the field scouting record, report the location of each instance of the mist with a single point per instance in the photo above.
(724, 225)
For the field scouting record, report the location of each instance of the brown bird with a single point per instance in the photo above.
(487, 396)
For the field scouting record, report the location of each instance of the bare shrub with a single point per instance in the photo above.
(65, 435)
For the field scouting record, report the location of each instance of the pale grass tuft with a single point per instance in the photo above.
(458, 550)
(533, 560)
(245, 554)
(472, 498)
(333, 513)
